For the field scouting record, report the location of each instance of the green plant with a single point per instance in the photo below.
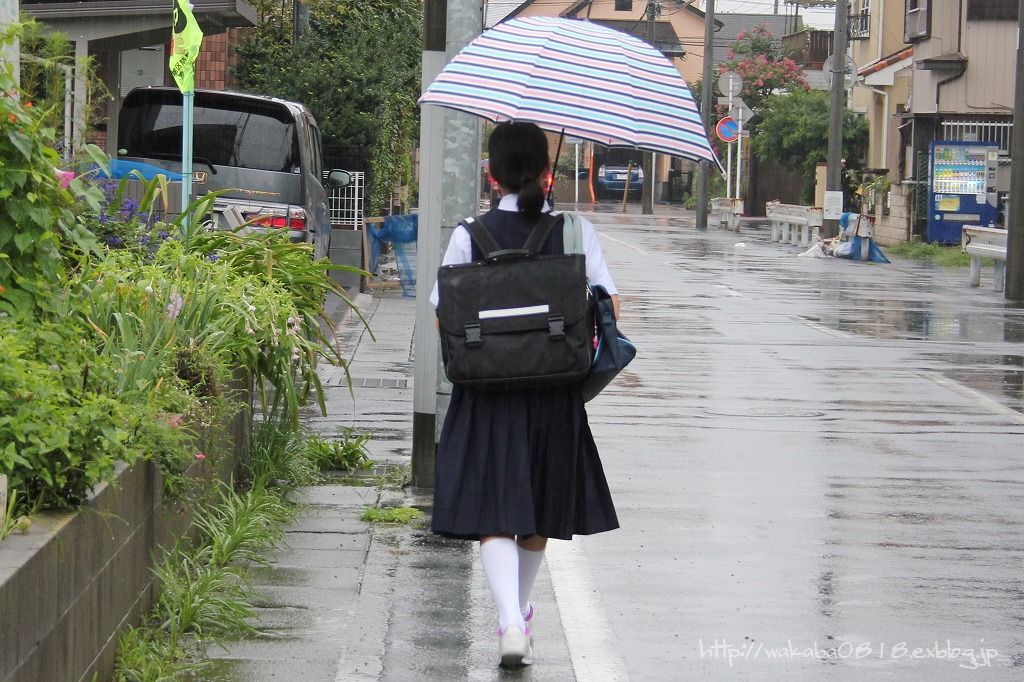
(146, 656)
(201, 600)
(348, 453)
(239, 525)
(36, 206)
(12, 519)
(395, 476)
(394, 515)
(945, 256)
(61, 433)
(277, 455)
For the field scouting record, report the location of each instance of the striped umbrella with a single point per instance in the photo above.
(579, 78)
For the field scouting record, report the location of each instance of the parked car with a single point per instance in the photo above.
(264, 152)
(610, 181)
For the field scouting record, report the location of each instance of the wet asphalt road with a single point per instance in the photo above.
(817, 466)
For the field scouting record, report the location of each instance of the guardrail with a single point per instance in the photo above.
(794, 224)
(985, 242)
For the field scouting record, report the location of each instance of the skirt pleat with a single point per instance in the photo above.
(519, 463)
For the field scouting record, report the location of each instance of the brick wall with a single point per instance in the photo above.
(894, 228)
(216, 59)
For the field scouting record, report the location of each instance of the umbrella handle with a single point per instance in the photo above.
(558, 152)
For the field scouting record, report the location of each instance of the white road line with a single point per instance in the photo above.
(820, 327)
(626, 244)
(976, 396)
(587, 631)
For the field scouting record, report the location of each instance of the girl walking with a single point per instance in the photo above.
(517, 467)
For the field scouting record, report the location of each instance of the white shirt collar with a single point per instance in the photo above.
(510, 202)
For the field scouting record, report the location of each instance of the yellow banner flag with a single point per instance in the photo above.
(186, 40)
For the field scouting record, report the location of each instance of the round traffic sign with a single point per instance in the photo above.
(730, 84)
(727, 129)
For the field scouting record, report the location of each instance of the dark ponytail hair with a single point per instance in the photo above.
(518, 158)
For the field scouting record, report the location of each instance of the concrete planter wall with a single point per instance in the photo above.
(75, 580)
(347, 249)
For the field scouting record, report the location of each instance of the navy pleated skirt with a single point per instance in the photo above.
(519, 463)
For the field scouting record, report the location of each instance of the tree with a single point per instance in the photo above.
(357, 69)
(793, 131)
(755, 59)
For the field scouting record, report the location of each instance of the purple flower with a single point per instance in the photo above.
(162, 234)
(214, 257)
(144, 239)
(114, 241)
(129, 207)
(103, 218)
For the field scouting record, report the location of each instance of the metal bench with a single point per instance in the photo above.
(726, 213)
(985, 242)
(794, 224)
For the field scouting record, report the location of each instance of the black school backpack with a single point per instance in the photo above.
(516, 318)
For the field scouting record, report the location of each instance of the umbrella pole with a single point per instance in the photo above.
(558, 152)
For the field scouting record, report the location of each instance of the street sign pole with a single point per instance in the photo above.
(739, 158)
(187, 109)
(728, 168)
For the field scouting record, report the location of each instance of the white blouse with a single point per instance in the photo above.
(460, 249)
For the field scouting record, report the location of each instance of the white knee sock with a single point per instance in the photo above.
(501, 565)
(529, 565)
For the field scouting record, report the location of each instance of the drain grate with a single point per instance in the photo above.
(377, 382)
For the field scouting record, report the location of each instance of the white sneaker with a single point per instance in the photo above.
(513, 647)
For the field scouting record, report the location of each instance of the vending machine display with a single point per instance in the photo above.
(962, 189)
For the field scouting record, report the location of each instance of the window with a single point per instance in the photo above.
(993, 10)
(623, 5)
(860, 19)
(918, 23)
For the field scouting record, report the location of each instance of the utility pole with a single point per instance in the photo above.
(1013, 288)
(706, 89)
(11, 51)
(647, 198)
(449, 191)
(834, 178)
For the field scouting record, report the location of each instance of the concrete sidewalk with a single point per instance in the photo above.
(343, 599)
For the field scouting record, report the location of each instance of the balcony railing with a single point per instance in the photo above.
(860, 26)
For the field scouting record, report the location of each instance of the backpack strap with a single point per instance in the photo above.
(481, 236)
(541, 231)
(572, 234)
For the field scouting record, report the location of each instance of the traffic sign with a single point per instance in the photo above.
(738, 110)
(727, 129)
(730, 84)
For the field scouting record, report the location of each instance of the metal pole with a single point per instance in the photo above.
(834, 178)
(647, 196)
(739, 156)
(1013, 288)
(728, 169)
(576, 176)
(188, 100)
(9, 11)
(705, 112)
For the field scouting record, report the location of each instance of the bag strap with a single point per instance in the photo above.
(541, 231)
(481, 236)
(572, 234)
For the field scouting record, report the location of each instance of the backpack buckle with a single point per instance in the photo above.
(473, 337)
(556, 327)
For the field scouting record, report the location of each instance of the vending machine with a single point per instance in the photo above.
(962, 189)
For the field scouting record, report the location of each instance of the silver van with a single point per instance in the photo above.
(263, 152)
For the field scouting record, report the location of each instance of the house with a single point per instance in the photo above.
(930, 70)
(679, 34)
(128, 39)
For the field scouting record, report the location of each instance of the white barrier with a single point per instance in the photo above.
(726, 212)
(794, 224)
(985, 242)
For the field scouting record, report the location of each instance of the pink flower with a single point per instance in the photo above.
(200, 455)
(64, 177)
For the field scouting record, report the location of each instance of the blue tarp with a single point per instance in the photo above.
(120, 169)
(401, 231)
(875, 253)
